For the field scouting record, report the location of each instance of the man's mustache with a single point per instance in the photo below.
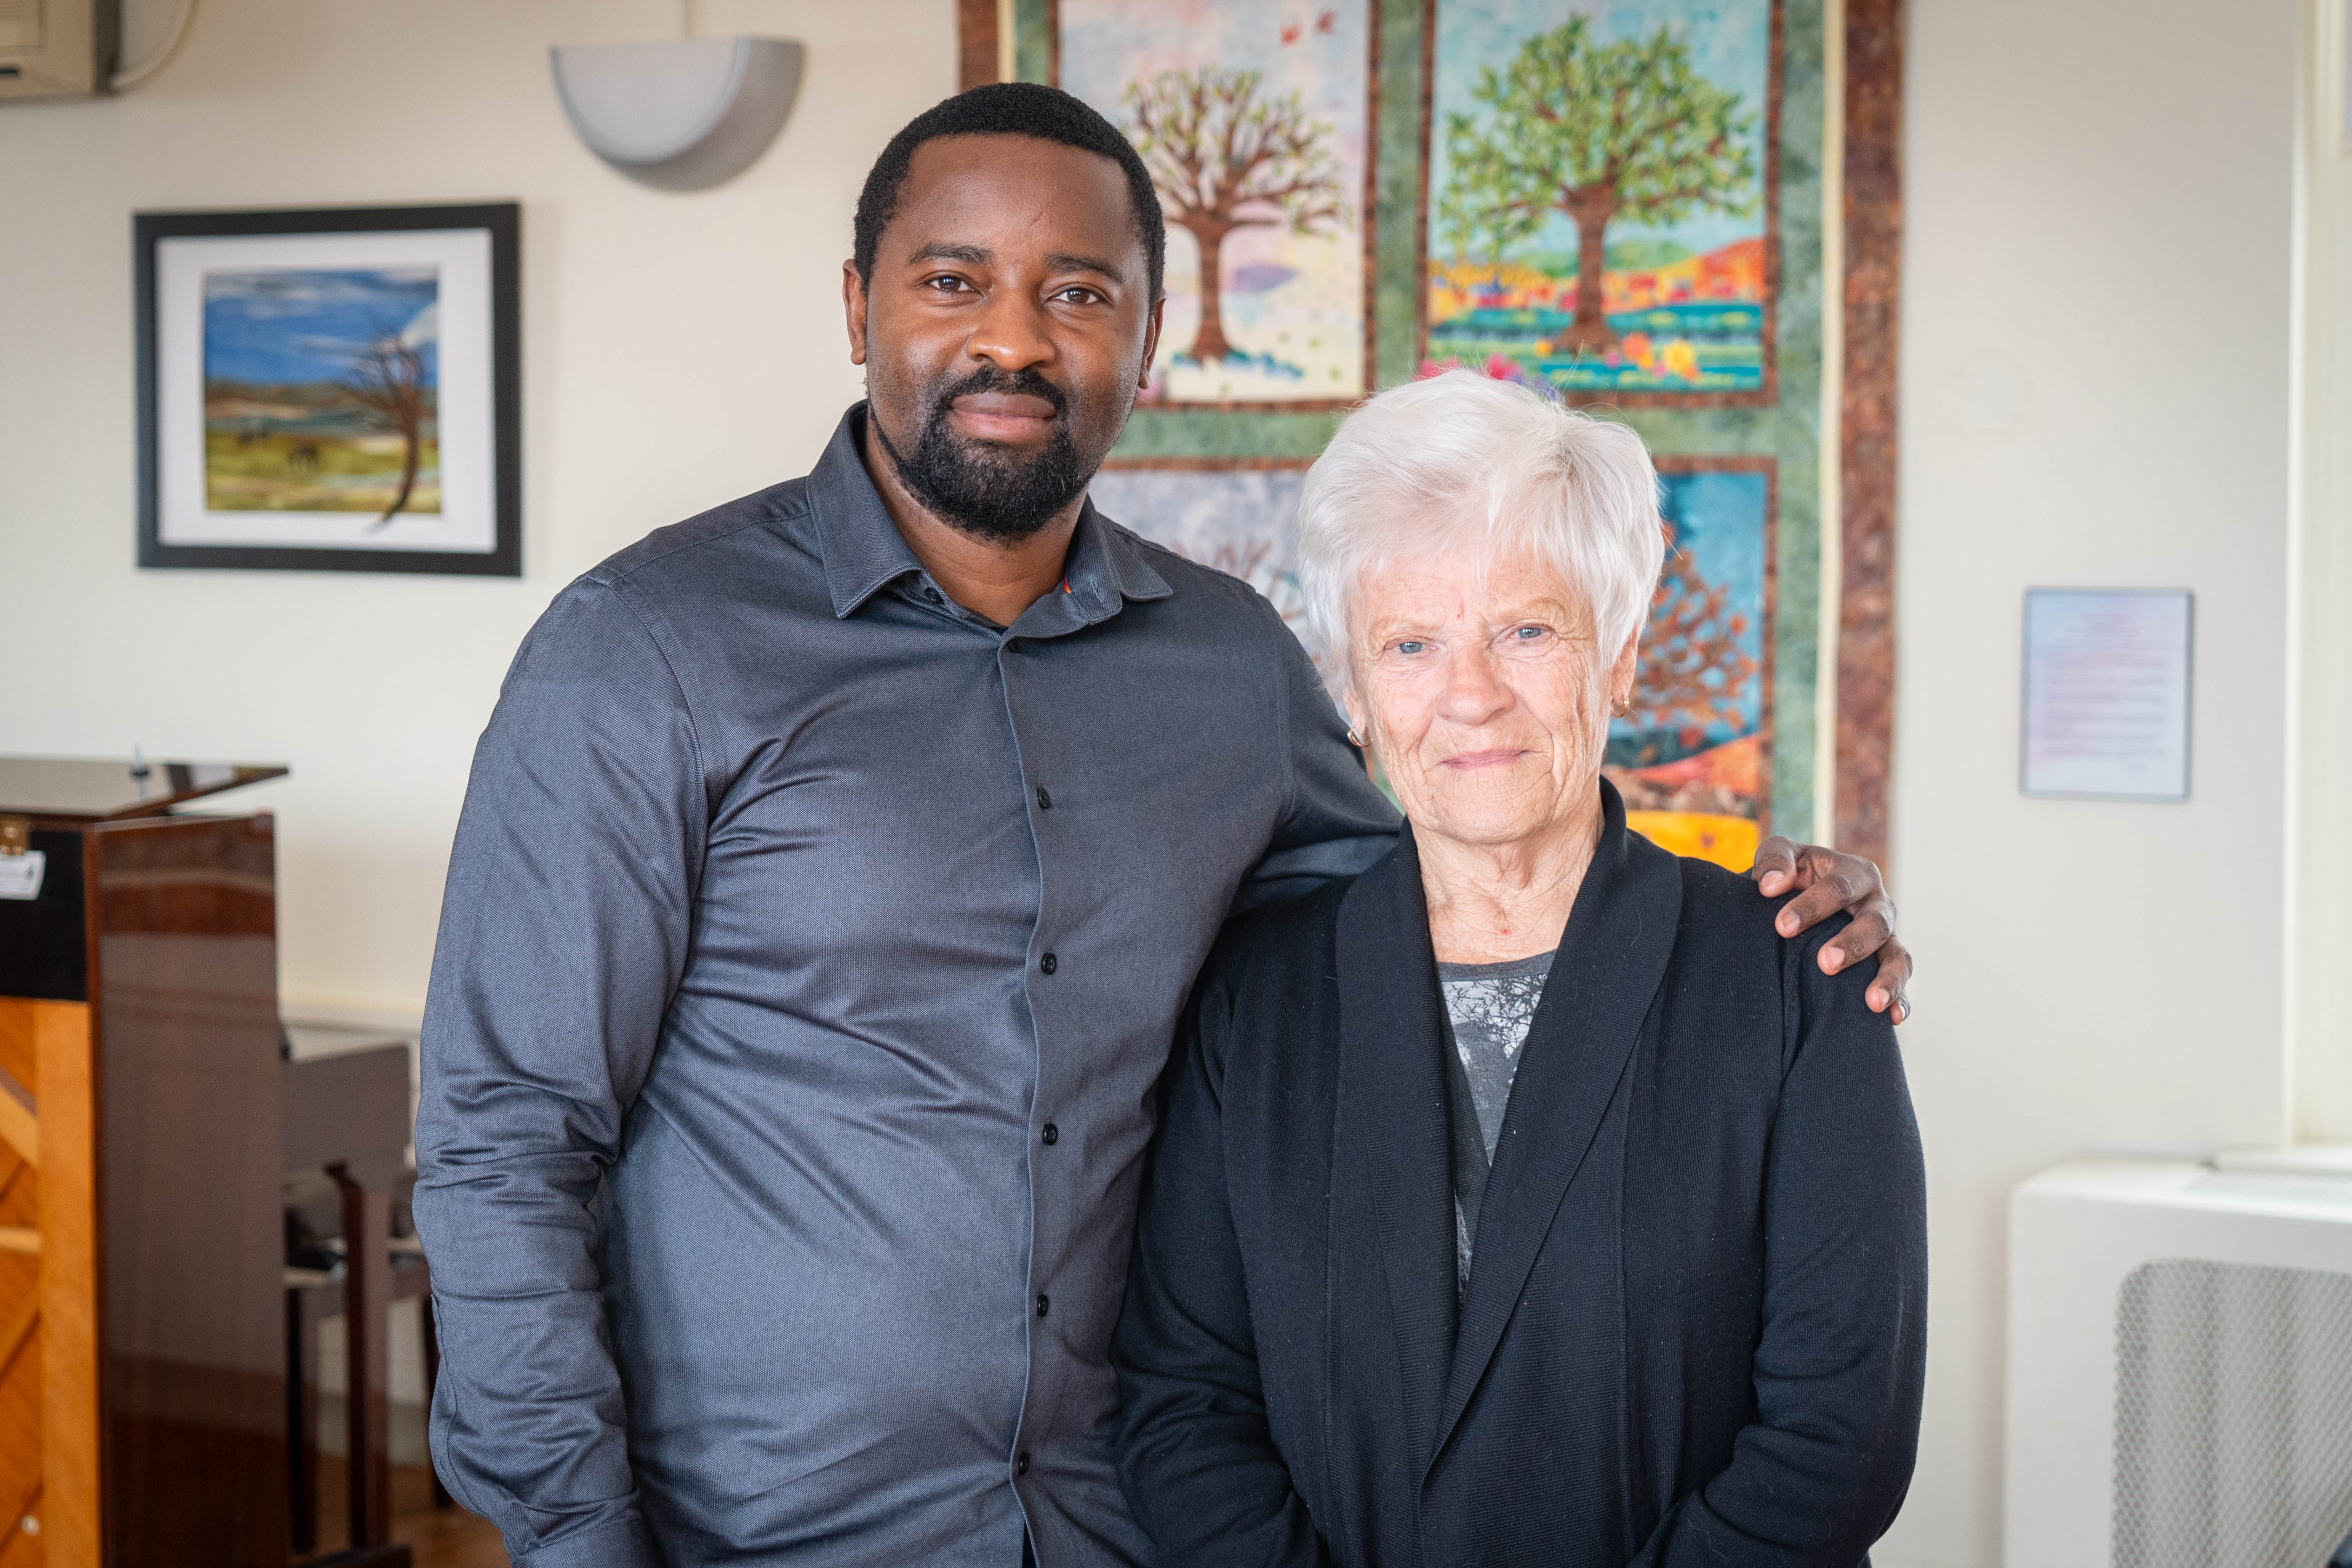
(988, 378)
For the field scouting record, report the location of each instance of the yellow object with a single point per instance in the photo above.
(1729, 841)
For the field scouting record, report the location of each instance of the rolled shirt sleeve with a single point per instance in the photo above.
(563, 933)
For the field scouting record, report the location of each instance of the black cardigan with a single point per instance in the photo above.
(1694, 1326)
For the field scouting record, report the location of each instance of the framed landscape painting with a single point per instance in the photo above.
(1599, 210)
(329, 389)
(1256, 121)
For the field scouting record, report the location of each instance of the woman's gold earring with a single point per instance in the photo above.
(1355, 740)
(1623, 706)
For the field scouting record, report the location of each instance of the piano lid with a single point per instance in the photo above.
(94, 791)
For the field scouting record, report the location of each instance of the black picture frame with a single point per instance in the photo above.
(502, 222)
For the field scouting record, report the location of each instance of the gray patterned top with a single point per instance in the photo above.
(1491, 1007)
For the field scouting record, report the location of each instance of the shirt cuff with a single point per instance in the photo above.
(624, 1544)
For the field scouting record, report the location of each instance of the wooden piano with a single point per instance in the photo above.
(142, 1351)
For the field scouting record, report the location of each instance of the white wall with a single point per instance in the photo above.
(2320, 857)
(2099, 208)
(677, 351)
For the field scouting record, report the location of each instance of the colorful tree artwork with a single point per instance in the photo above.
(1223, 155)
(1693, 758)
(1254, 122)
(1599, 209)
(1620, 204)
(1693, 669)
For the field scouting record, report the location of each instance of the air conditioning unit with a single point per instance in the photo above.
(57, 49)
(2180, 1365)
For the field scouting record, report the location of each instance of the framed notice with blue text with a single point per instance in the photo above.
(2107, 693)
(329, 389)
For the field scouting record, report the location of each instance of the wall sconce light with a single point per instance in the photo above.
(682, 115)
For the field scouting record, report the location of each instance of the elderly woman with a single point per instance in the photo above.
(1525, 1200)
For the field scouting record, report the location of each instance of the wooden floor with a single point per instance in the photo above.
(444, 1537)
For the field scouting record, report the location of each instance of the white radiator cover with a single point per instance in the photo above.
(2180, 1368)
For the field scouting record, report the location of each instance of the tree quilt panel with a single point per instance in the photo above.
(1256, 121)
(1599, 211)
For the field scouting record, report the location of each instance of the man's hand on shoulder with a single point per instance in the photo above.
(1825, 882)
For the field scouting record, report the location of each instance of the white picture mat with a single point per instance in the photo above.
(2107, 693)
(466, 411)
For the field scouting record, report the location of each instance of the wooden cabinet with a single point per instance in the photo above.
(143, 1381)
(48, 1287)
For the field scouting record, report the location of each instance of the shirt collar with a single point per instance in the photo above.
(863, 550)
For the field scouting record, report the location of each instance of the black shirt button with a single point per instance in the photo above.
(1049, 963)
(1020, 1464)
(1045, 801)
(1044, 1302)
(1053, 1133)
(932, 595)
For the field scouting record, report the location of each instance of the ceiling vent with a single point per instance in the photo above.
(57, 49)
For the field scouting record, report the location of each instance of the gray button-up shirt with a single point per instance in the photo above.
(812, 947)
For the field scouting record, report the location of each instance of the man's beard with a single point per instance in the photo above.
(979, 487)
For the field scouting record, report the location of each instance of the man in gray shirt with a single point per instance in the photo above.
(831, 873)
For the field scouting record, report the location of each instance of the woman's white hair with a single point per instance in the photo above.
(1462, 457)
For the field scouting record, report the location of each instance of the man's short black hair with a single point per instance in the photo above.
(1009, 108)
